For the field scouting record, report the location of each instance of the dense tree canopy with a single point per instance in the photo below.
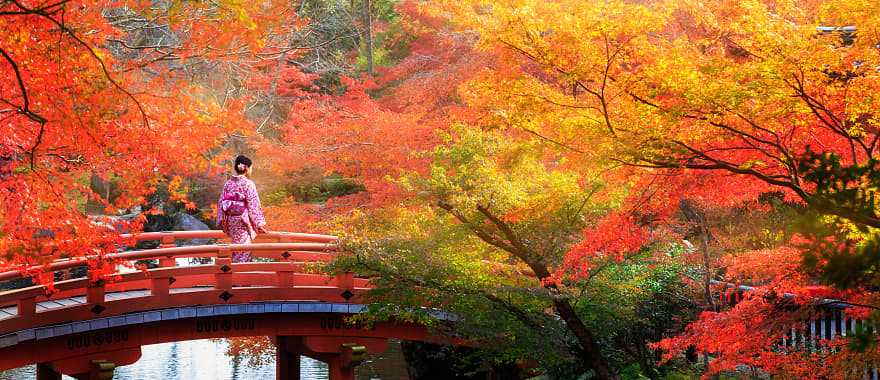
(578, 178)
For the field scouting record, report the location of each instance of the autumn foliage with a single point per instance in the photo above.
(567, 149)
(97, 89)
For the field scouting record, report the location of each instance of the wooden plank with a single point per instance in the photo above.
(51, 304)
(133, 294)
(112, 296)
(190, 289)
(67, 301)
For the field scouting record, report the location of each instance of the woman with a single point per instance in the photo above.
(238, 211)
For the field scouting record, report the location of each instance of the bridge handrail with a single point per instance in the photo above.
(120, 278)
(168, 238)
(171, 236)
(820, 302)
(314, 243)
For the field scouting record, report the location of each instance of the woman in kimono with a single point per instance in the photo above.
(238, 211)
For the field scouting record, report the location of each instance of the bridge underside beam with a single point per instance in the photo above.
(286, 361)
(95, 366)
(326, 333)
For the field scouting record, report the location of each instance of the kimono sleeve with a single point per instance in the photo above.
(220, 213)
(255, 210)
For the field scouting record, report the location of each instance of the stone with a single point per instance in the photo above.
(187, 222)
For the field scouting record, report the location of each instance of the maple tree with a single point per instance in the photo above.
(379, 138)
(117, 90)
(538, 167)
(490, 219)
(719, 102)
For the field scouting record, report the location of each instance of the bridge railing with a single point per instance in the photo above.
(222, 281)
(169, 238)
(827, 322)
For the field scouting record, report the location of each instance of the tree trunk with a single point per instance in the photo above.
(694, 215)
(592, 355)
(368, 22)
(589, 347)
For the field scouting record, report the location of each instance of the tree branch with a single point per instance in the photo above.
(91, 51)
(482, 234)
(24, 109)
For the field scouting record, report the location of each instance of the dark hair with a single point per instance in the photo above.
(241, 159)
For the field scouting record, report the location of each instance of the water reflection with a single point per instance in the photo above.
(189, 360)
(207, 360)
(204, 359)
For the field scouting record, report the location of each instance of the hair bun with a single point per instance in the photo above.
(242, 164)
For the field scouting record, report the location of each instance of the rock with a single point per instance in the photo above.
(187, 222)
(135, 212)
(43, 233)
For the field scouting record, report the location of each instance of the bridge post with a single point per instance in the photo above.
(286, 361)
(352, 355)
(46, 372)
(159, 287)
(167, 262)
(342, 354)
(95, 292)
(345, 283)
(341, 366)
(223, 276)
(27, 307)
(338, 370)
(285, 277)
(167, 242)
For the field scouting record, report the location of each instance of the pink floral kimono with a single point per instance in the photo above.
(240, 228)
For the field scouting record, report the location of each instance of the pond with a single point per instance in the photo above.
(207, 360)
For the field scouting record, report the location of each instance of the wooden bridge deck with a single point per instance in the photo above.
(61, 303)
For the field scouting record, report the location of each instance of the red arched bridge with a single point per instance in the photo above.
(86, 328)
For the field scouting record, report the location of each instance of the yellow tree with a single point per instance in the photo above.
(735, 99)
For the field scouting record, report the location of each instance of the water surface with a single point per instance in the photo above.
(207, 360)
